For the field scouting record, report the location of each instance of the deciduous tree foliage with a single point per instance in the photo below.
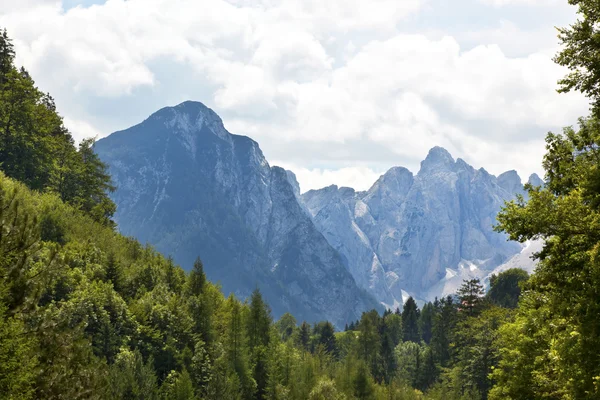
(505, 288)
(561, 306)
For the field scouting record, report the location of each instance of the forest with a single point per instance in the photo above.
(86, 313)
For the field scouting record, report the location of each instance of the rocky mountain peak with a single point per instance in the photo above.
(510, 181)
(437, 158)
(190, 188)
(535, 180)
(464, 166)
(396, 174)
(396, 181)
(189, 118)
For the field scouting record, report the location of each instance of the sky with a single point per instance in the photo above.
(338, 91)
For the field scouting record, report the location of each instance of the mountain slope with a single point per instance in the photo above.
(410, 234)
(191, 188)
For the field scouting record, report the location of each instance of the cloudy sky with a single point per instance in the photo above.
(337, 90)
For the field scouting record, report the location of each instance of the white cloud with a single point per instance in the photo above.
(359, 178)
(502, 3)
(335, 83)
(8, 6)
(81, 129)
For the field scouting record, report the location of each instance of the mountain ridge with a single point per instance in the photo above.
(190, 188)
(394, 211)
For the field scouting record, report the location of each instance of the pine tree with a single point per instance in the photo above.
(258, 327)
(7, 56)
(470, 296)
(258, 322)
(410, 321)
(304, 336)
(197, 278)
(114, 274)
(391, 336)
(236, 348)
(327, 337)
(369, 342)
(426, 321)
(444, 324)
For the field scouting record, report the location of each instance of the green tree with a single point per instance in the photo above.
(561, 305)
(369, 341)
(325, 333)
(476, 345)
(410, 321)
(410, 362)
(426, 321)
(131, 378)
(391, 336)
(237, 352)
(18, 359)
(258, 322)
(304, 336)
(196, 278)
(286, 326)
(258, 325)
(363, 385)
(38, 150)
(505, 288)
(7, 55)
(581, 52)
(114, 273)
(177, 386)
(325, 390)
(200, 304)
(470, 296)
(442, 335)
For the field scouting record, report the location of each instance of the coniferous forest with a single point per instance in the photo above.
(86, 313)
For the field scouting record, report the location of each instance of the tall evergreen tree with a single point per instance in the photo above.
(197, 278)
(258, 325)
(258, 321)
(410, 321)
(470, 296)
(7, 55)
(426, 321)
(304, 336)
(114, 274)
(369, 341)
(442, 335)
(326, 338)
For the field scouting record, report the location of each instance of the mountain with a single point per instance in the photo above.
(420, 234)
(190, 188)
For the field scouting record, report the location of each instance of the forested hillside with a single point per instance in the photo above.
(86, 313)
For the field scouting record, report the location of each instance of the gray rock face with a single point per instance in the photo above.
(190, 188)
(535, 180)
(411, 234)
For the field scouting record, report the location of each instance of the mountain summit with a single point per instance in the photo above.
(419, 235)
(190, 188)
